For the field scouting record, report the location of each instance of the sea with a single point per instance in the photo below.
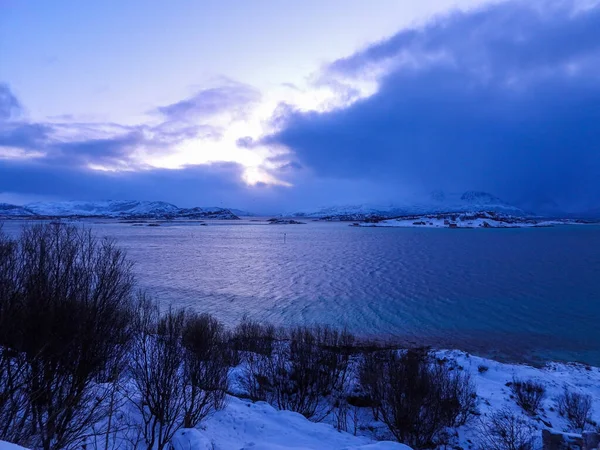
(529, 295)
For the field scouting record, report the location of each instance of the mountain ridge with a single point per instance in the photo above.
(436, 202)
(115, 209)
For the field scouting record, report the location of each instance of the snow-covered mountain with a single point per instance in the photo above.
(109, 208)
(114, 209)
(14, 211)
(242, 213)
(436, 202)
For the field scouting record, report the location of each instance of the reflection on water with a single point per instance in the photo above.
(512, 293)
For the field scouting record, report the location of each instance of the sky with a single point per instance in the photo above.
(274, 106)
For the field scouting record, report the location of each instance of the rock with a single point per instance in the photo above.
(591, 440)
(555, 440)
(285, 222)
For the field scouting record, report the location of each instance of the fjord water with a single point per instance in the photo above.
(506, 293)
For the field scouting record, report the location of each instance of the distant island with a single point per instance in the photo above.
(483, 219)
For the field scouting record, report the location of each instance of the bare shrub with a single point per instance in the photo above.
(178, 369)
(506, 431)
(65, 317)
(13, 365)
(576, 408)
(417, 397)
(157, 373)
(312, 363)
(254, 337)
(528, 394)
(205, 367)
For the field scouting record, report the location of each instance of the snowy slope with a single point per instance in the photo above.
(14, 211)
(111, 208)
(259, 426)
(9, 446)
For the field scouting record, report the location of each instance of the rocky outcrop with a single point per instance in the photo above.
(555, 440)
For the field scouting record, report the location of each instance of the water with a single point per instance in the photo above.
(519, 294)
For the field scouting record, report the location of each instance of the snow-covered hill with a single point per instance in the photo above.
(436, 202)
(114, 209)
(109, 208)
(14, 211)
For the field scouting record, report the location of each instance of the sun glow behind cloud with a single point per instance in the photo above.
(238, 135)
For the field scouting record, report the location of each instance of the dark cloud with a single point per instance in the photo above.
(196, 185)
(26, 136)
(9, 104)
(231, 97)
(504, 99)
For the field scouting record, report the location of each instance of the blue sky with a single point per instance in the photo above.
(271, 105)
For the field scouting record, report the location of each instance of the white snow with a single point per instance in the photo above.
(9, 446)
(259, 426)
(494, 394)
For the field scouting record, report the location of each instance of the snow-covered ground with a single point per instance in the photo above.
(259, 426)
(494, 394)
(243, 424)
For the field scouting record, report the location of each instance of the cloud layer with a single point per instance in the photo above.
(504, 99)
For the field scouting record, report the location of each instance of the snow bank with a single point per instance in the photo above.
(259, 426)
(9, 446)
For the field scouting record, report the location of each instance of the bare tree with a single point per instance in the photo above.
(70, 311)
(205, 367)
(179, 371)
(157, 371)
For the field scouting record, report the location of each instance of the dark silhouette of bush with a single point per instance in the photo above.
(65, 315)
(576, 408)
(528, 394)
(254, 337)
(415, 395)
(306, 365)
(178, 369)
(205, 367)
(504, 430)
